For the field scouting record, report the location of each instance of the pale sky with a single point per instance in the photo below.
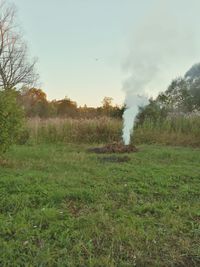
(81, 44)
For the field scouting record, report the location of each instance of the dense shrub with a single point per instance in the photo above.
(11, 119)
(153, 111)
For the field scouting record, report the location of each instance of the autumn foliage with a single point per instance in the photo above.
(35, 104)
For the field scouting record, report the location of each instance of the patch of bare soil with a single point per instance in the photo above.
(114, 148)
(115, 159)
(76, 208)
(5, 163)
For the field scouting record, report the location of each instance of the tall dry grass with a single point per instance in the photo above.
(178, 130)
(173, 131)
(56, 130)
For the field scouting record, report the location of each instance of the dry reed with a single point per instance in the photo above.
(173, 131)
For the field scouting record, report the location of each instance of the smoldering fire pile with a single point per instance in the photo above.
(114, 148)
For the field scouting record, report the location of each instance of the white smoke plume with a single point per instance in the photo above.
(163, 46)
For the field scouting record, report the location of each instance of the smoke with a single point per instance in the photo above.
(163, 46)
(133, 102)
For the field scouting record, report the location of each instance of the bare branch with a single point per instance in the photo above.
(15, 68)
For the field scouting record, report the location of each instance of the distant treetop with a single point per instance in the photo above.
(193, 72)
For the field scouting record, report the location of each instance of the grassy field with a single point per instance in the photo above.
(61, 206)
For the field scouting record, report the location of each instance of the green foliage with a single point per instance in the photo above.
(11, 119)
(181, 97)
(183, 94)
(153, 111)
(62, 206)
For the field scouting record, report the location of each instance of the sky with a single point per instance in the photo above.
(82, 45)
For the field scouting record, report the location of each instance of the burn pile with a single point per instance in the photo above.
(114, 148)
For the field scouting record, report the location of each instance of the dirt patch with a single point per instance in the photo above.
(77, 209)
(6, 163)
(115, 159)
(114, 148)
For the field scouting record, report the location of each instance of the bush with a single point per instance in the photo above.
(11, 119)
(23, 137)
(153, 112)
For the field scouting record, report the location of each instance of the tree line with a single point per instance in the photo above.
(35, 104)
(182, 98)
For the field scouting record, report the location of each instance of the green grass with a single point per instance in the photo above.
(61, 206)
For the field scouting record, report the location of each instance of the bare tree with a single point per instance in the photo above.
(15, 68)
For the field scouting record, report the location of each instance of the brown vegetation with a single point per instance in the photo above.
(105, 130)
(97, 130)
(114, 148)
(35, 104)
